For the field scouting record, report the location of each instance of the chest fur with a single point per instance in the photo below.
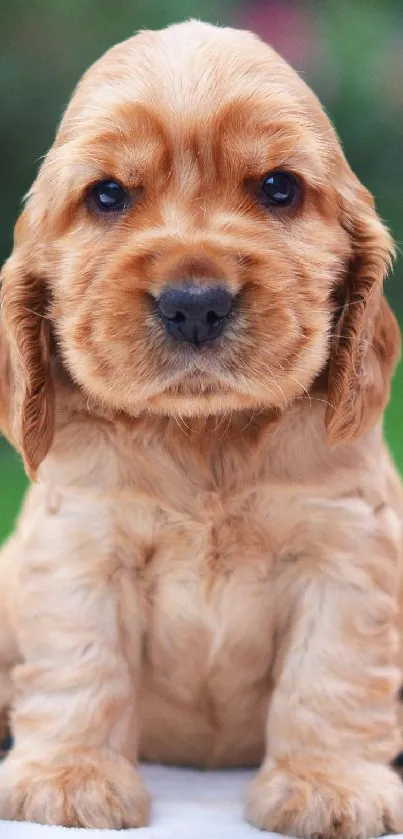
(208, 636)
(206, 582)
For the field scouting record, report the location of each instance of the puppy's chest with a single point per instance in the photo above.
(206, 582)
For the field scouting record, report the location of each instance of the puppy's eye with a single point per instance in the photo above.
(279, 189)
(110, 196)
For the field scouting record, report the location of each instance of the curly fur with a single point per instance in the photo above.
(206, 569)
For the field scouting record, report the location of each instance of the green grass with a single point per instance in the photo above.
(394, 419)
(12, 486)
(13, 480)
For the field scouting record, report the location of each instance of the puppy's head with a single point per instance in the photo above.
(195, 243)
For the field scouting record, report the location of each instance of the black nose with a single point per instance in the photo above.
(193, 313)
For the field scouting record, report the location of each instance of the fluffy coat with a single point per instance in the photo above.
(206, 569)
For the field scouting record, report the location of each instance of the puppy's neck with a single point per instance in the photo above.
(289, 445)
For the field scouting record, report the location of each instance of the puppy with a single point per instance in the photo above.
(195, 358)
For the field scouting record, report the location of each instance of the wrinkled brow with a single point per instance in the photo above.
(135, 142)
(254, 133)
(257, 135)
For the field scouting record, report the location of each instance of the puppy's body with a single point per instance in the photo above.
(207, 535)
(207, 570)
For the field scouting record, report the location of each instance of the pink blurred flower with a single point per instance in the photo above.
(287, 26)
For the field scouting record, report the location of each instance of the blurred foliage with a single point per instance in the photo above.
(350, 51)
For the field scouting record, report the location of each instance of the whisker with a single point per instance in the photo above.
(178, 420)
(274, 382)
(37, 314)
(229, 420)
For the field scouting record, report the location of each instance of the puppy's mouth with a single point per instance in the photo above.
(198, 395)
(199, 385)
(198, 378)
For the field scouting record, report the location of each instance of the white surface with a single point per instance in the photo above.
(186, 805)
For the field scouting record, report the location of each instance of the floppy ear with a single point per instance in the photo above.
(26, 390)
(366, 341)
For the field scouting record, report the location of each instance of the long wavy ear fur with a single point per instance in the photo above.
(366, 343)
(26, 389)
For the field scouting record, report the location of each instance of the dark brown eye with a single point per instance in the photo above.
(110, 196)
(279, 189)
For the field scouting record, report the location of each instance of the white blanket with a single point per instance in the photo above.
(186, 805)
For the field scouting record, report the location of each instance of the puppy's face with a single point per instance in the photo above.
(193, 228)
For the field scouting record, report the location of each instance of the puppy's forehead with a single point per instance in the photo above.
(190, 70)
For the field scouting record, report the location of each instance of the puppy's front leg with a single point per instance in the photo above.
(74, 720)
(331, 728)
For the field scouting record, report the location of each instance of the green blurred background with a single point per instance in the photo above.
(350, 51)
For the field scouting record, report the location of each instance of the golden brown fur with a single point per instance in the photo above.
(206, 570)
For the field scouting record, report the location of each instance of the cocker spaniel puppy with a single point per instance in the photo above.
(195, 357)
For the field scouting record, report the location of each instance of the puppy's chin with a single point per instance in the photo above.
(214, 402)
(206, 396)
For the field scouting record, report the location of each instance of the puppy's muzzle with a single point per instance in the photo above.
(196, 314)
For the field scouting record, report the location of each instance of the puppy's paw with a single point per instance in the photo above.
(100, 790)
(307, 799)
